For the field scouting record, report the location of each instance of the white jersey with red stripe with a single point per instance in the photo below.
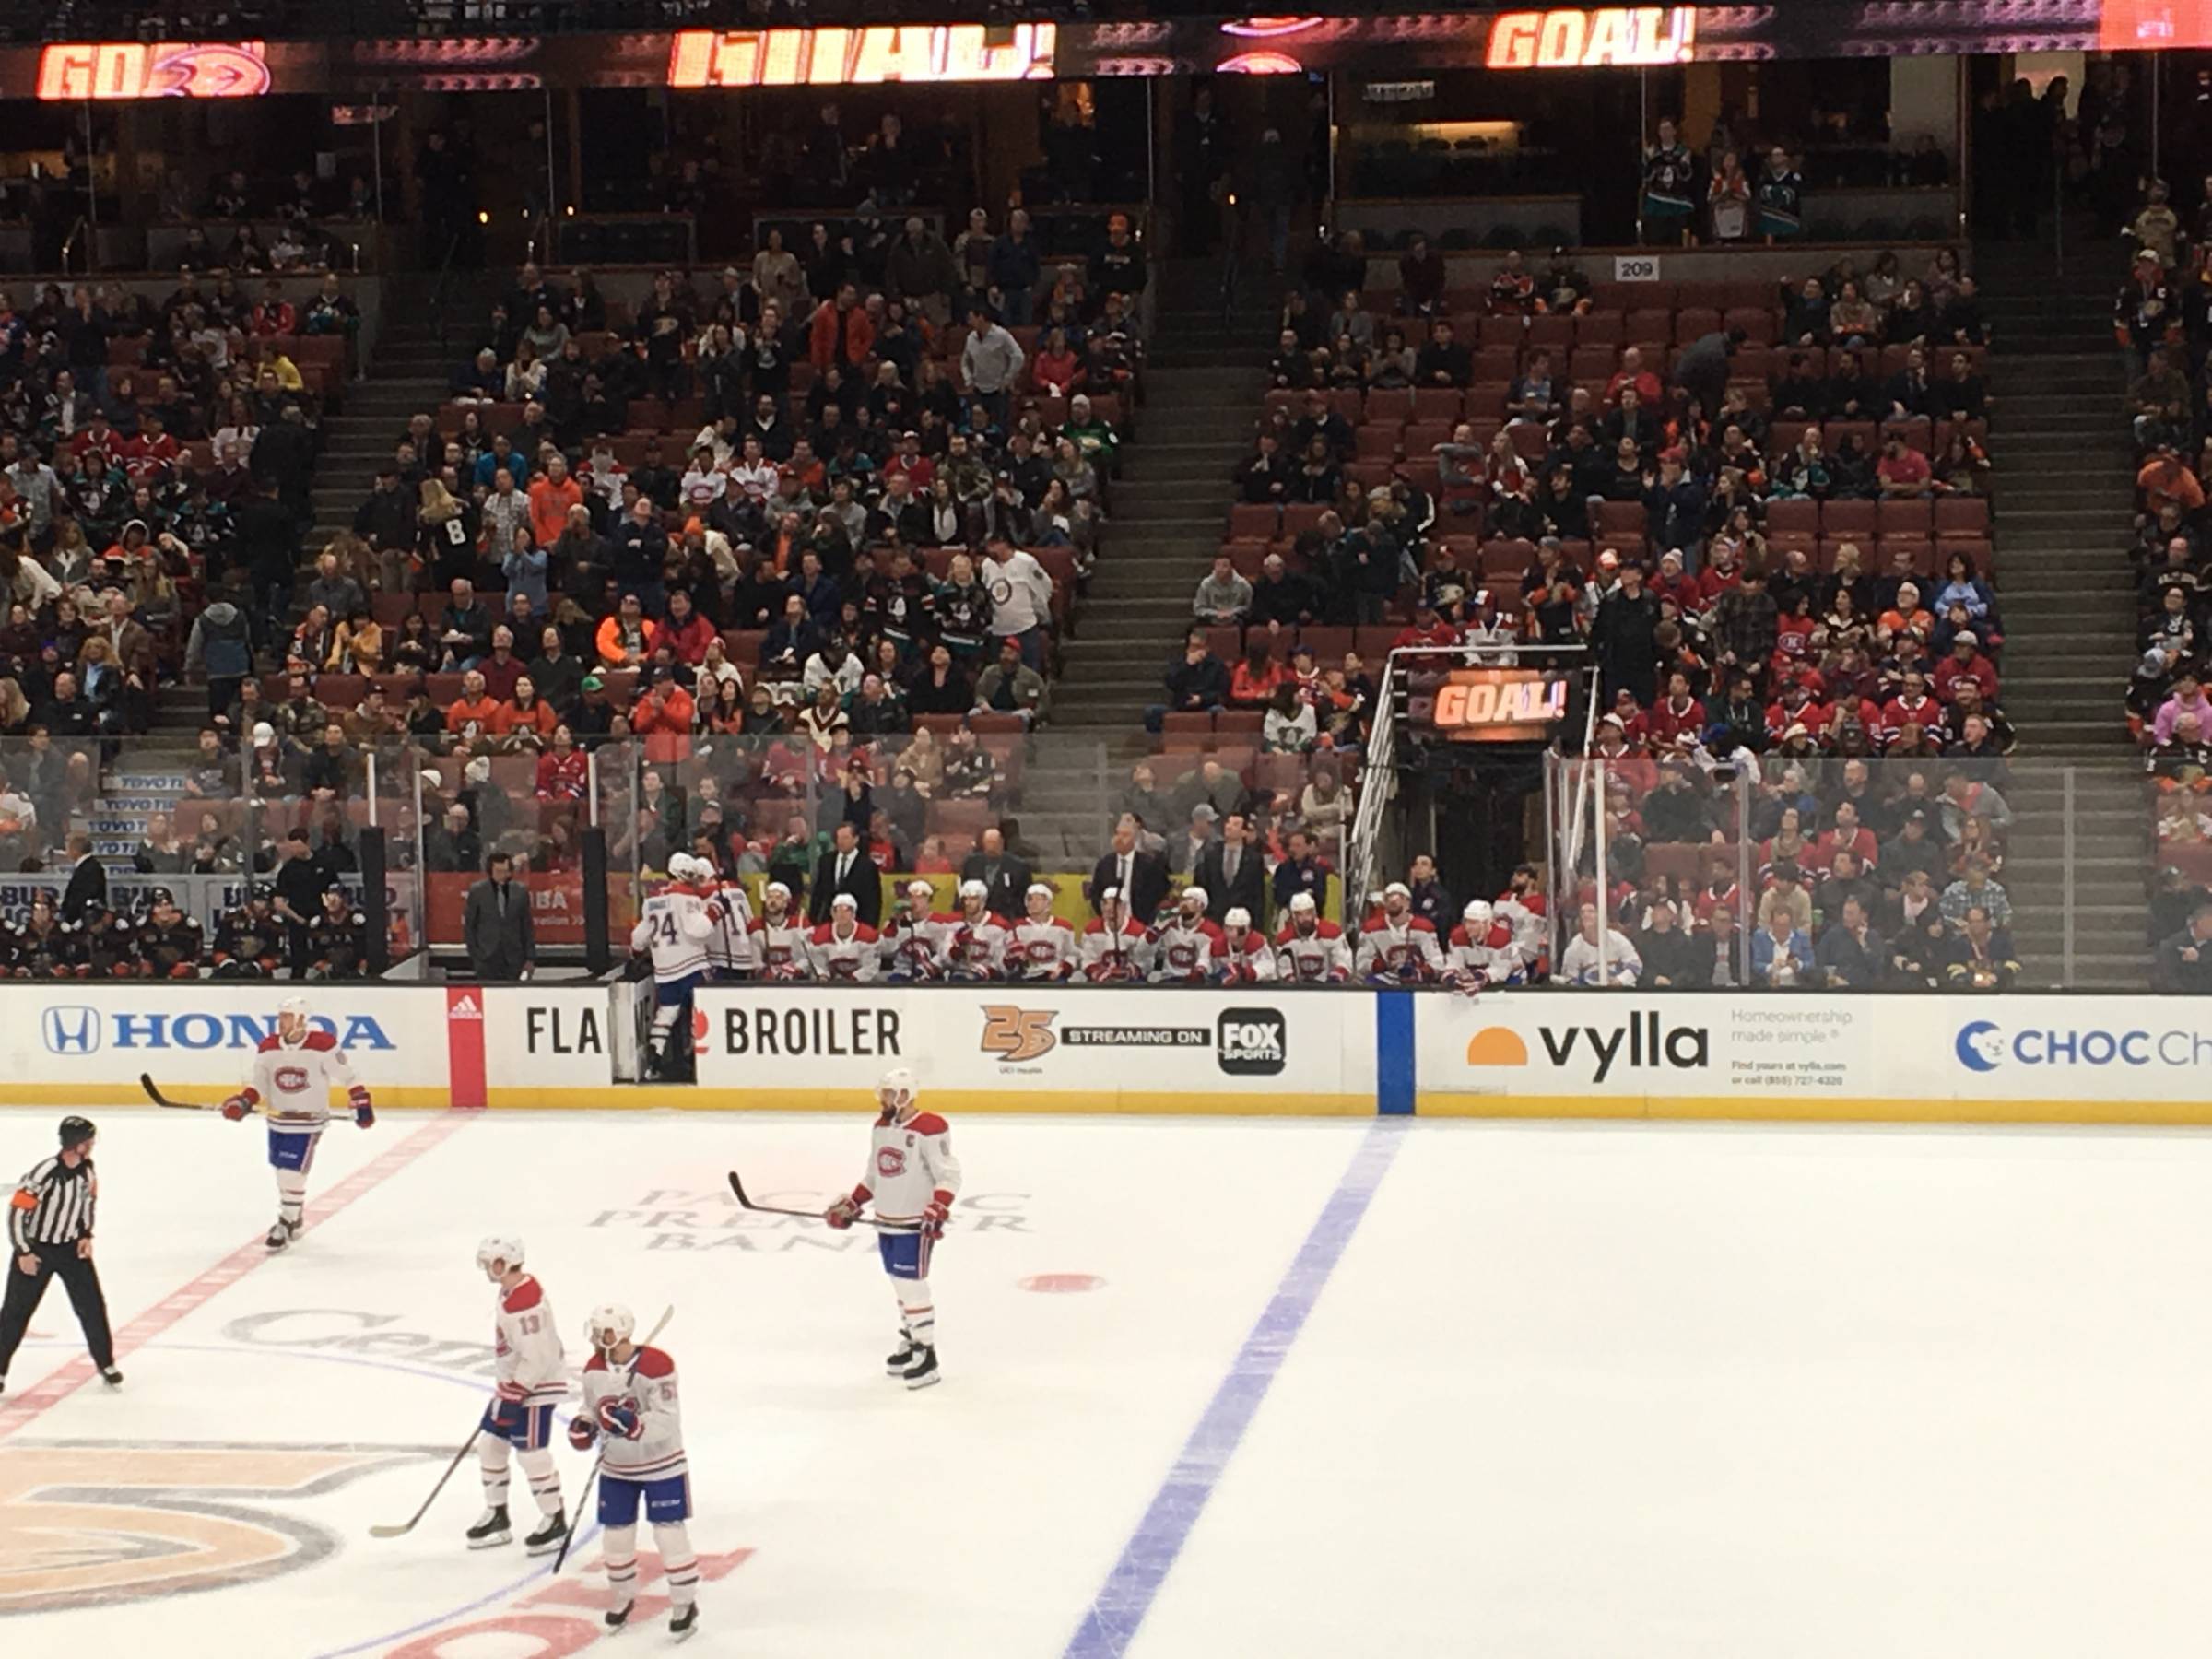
(909, 1165)
(784, 947)
(1492, 960)
(291, 1081)
(1184, 952)
(1117, 954)
(1042, 950)
(1245, 962)
(645, 1383)
(1524, 915)
(730, 945)
(675, 927)
(1405, 948)
(977, 949)
(851, 956)
(526, 1354)
(1318, 958)
(917, 946)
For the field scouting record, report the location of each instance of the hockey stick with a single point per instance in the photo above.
(153, 1094)
(584, 1498)
(738, 1187)
(406, 1526)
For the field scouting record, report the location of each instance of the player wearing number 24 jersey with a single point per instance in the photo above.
(914, 1178)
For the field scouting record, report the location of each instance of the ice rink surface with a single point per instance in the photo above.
(1212, 1388)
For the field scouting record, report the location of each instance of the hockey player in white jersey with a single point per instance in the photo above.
(1398, 948)
(632, 1411)
(1481, 951)
(533, 1378)
(844, 947)
(1245, 957)
(1186, 951)
(1309, 952)
(915, 939)
(1043, 946)
(1117, 948)
(914, 1178)
(290, 1080)
(677, 923)
(730, 952)
(783, 939)
(976, 949)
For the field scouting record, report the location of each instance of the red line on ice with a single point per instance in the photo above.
(19, 1409)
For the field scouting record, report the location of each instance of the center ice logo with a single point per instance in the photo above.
(106, 1524)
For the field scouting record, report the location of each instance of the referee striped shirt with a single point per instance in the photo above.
(52, 1204)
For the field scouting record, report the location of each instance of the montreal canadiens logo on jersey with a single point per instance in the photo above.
(291, 1078)
(889, 1161)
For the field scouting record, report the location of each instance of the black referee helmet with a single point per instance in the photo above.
(75, 1132)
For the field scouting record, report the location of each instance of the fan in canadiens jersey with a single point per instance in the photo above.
(1043, 946)
(291, 1079)
(533, 1378)
(914, 1178)
(631, 1409)
(1311, 951)
(1117, 948)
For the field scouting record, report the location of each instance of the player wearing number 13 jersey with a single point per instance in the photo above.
(533, 1376)
(914, 1178)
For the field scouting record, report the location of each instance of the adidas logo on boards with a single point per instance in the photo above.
(1637, 1042)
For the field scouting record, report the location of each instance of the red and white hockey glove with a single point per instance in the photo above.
(236, 1108)
(583, 1431)
(935, 1214)
(842, 1214)
(621, 1417)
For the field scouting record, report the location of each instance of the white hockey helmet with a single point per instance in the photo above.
(1477, 914)
(775, 890)
(1194, 894)
(1236, 917)
(896, 1090)
(293, 1005)
(499, 1247)
(974, 889)
(845, 901)
(919, 888)
(1302, 901)
(610, 1325)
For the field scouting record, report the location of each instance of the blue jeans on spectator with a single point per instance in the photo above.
(1020, 307)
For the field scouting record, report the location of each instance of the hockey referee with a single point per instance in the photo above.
(50, 1232)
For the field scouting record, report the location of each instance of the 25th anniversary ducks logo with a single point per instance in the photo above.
(97, 1524)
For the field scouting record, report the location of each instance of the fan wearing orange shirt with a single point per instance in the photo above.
(473, 709)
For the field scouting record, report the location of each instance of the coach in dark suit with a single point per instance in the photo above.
(86, 894)
(496, 925)
(1233, 873)
(2184, 966)
(1006, 879)
(846, 868)
(1140, 877)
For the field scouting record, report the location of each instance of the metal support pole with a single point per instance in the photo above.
(91, 196)
(1643, 126)
(1598, 802)
(376, 147)
(2066, 907)
(552, 187)
(2157, 81)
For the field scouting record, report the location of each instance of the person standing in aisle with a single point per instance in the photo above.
(50, 1234)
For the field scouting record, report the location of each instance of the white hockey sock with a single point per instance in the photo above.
(920, 1315)
(622, 1564)
(291, 1195)
(544, 1477)
(664, 1022)
(491, 1459)
(680, 1566)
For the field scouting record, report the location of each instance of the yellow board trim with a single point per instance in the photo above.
(1770, 1109)
(397, 1095)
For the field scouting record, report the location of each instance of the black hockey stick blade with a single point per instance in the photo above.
(403, 1528)
(153, 1094)
(738, 1187)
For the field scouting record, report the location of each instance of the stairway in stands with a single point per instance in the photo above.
(2065, 496)
(1203, 379)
